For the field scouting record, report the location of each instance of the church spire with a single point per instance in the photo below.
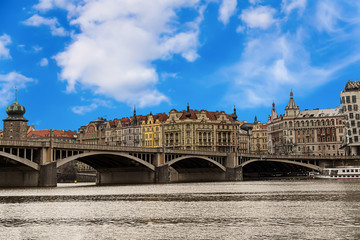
(16, 94)
(188, 114)
(291, 110)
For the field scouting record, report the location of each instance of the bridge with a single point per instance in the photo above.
(33, 163)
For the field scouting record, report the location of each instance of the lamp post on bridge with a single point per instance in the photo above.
(248, 128)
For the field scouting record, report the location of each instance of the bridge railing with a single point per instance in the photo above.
(85, 147)
(299, 157)
(23, 143)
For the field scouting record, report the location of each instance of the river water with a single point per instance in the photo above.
(307, 209)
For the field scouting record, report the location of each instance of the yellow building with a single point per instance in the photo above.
(151, 130)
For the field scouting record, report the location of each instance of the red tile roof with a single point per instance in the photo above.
(56, 133)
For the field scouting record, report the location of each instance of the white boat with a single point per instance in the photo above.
(339, 173)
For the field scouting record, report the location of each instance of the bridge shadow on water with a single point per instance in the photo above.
(263, 170)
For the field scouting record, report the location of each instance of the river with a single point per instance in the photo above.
(307, 209)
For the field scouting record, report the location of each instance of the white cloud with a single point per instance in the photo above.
(253, 2)
(288, 6)
(36, 20)
(44, 62)
(118, 41)
(7, 84)
(81, 110)
(45, 5)
(96, 103)
(166, 75)
(327, 16)
(37, 48)
(4, 41)
(226, 10)
(258, 17)
(270, 65)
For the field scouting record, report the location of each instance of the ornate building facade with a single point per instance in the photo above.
(202, 130)
(315, 132)
(349, 99)
(93, 133)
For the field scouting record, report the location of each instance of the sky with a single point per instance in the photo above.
(73, 61)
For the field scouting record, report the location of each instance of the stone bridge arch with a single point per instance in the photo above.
(189, 169)
(63, 161)
(308, 165)
(172, 162)
(21, 160)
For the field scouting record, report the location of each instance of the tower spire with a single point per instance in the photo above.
(15, 94)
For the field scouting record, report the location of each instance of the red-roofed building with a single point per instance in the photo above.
(124, 131)
(93, 132)
(55, 135)
(152, 129)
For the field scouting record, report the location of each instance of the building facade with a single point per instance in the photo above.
(315, 132)
(152, 130)
(202, 131)
(259, 138)
(93, 133)
(349, 99)
(124, 131)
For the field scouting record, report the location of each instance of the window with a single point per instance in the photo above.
(347, 99)
(353, 98)
(342, 99)
(357, 116)
(356, 107)
(356, 139)
(354, 130)
(353, 123)
(350, 108)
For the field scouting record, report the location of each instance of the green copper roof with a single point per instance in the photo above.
(15, 112)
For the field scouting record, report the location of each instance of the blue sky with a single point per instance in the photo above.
(74, 61)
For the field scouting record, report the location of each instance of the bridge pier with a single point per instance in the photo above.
(124, 176)
(233, 173)
(47, 175)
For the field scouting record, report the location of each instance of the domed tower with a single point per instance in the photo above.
(15, 125)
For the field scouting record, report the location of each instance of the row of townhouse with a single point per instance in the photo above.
(188, 129)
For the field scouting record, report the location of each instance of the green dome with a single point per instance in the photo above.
(15, 111)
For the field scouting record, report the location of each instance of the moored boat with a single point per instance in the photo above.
(339, 173)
